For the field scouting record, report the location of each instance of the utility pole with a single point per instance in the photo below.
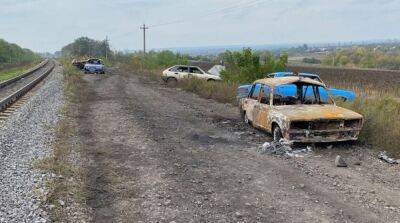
(144, 27)
(106, 47)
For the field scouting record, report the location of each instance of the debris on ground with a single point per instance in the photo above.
(357, 163)
(340, 162)
(283, 147)
(385, 157)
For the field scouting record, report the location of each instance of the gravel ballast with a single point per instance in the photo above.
(25, 138)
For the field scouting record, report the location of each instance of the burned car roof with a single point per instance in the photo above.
(287, 80)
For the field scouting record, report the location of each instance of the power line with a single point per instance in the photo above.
(224, 10)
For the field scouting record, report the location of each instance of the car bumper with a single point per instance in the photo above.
(94, 70)
(313, 136)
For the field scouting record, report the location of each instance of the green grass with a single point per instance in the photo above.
(11, 73)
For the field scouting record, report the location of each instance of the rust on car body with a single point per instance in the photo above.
(300, 110)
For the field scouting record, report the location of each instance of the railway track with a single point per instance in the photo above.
(12, 91)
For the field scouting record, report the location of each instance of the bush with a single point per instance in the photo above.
(246, 66)
(311, 60)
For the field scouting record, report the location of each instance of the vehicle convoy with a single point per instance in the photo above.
(175, 73)
(338, 94)
(298, 109)
(94, 66)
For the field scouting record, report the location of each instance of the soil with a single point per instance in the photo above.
(159, 154)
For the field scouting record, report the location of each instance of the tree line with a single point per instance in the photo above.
(366, 57)
(11, 53)
(86, 47)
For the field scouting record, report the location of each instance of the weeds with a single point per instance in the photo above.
(220, 91)
(382, 123)
(68, 185)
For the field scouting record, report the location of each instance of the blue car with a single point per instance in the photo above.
(338, 94)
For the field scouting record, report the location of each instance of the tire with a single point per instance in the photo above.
(210, 80)
(277, 133)
(172, 82)
(343, 99)
(246, 118)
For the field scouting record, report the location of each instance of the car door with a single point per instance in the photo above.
(196, 72)
(251, 101)
(262, 108)
(181, 72)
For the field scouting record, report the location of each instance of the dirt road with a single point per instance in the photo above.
(157, 154)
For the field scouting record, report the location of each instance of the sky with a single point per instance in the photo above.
(48, 25)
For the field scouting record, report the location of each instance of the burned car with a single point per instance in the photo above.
(298, 109)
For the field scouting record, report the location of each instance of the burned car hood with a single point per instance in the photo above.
(315, 112)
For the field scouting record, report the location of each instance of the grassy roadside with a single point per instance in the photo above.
(13, 72)
(67, 198)
(382, 123)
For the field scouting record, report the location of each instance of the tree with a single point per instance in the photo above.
(247, 66)
(86, 47)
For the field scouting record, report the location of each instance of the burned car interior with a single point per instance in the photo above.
(291, 94)
(300, 93)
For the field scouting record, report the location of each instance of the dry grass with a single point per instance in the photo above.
(220, 91)
(69, 184)
(382, 123)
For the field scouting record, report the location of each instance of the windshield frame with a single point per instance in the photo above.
(330, 100)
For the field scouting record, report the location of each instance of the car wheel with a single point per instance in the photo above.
(343, 99)
(210, 80)
(172, 82)
(277, 134)
(246, 118)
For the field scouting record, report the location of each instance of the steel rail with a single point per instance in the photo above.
(29, 72)
(9, 100)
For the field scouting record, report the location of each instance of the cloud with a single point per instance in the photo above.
(47, 25)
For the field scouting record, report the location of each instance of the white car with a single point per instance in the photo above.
(175, 73)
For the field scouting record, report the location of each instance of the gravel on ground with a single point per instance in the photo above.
(26, 137)
(11, 88)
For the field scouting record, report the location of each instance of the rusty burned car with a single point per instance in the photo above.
(298, 109)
